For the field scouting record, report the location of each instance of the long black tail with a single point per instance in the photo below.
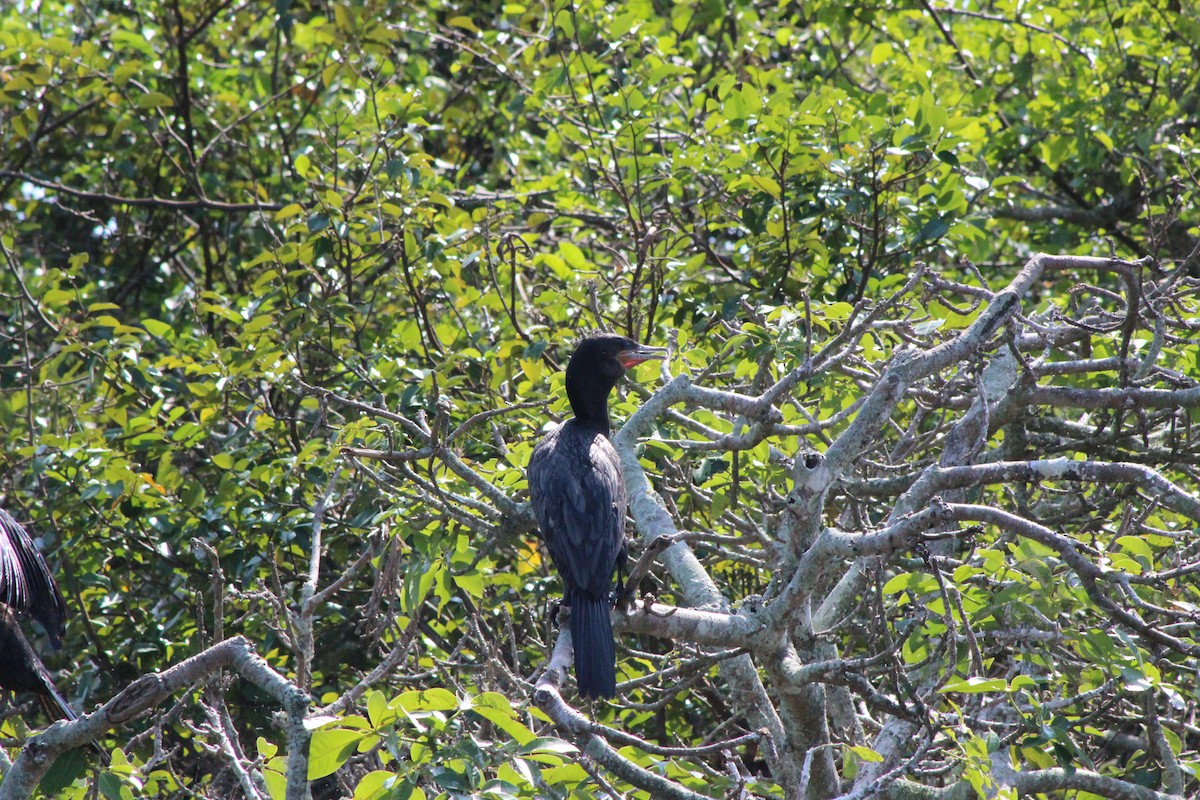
(595, 651)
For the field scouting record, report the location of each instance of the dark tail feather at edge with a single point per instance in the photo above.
(56, 707)
(595, 651)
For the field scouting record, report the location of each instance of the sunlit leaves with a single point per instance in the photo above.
(420, 209)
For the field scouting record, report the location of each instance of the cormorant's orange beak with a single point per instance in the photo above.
(630, 358)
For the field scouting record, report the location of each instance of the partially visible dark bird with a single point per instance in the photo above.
(27, 587)
(578, 497)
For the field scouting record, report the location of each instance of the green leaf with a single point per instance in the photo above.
(1137, 546)
(429, 700)
(573, 256)
(377, 709)
(288, 211)
(57, 297)
(221, 311)
(1136, 680)
(933, 229)
(866, 754)
(505, 720)
(473, 583)
(157, 328)
(126, 70)
(152, 100)
(912, 582)
(110, 786)
(975, 685)
(466, 23)
(275, 779)
(548, 744)
(566, 774)
(266, 749)
(329, 749)
(376, 785)
(64, 771)
(316, 722)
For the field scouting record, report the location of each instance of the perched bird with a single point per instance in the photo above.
(578, 497)
(27, 587)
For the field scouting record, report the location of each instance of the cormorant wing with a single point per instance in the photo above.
(26, 585)
(578, 497)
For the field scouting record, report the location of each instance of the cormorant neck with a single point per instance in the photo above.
(588, 394)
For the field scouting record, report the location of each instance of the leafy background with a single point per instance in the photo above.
(207, 207)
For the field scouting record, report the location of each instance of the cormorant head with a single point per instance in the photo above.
(596, 366)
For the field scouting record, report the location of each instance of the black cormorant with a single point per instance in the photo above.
(27, 587)
(578, 497)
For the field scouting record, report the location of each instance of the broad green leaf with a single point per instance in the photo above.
(329, 749)
(429, 700)
(975, 685)
(866, 754)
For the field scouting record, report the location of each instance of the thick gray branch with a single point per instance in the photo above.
(145, 693)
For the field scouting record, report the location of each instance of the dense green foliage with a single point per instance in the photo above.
(221, 222)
